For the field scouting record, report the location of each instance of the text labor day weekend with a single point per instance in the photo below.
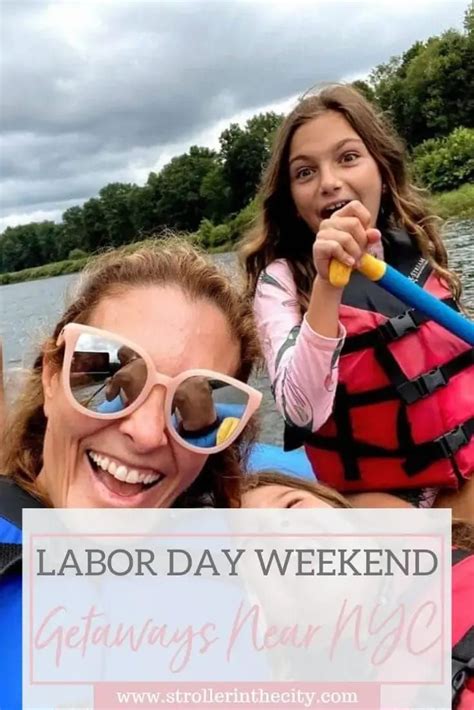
(297, 562)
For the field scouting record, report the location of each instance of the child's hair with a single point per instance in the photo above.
(463, 534)
(277, 478)
(279, 233)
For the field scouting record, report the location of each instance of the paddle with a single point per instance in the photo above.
(407, 291)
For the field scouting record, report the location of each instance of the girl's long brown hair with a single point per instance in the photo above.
(279, 233)
(160, 263)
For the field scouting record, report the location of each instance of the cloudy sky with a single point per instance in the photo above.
(95, 91)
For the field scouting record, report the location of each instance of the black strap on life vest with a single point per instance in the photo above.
(342, 419)
(462, 655)
(393, 329)
(412, 390)
(423, 455)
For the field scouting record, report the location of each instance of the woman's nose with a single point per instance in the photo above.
(146, 426)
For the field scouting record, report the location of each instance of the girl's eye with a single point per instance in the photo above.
(350, 157)
(292, 502)
(303, 173)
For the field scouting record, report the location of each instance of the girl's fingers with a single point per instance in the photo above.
(344, 238)
(350, 225)
(356, 209)
(373, 235)
(325, 252)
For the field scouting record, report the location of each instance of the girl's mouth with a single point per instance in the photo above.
(329, 210)
(119, 478)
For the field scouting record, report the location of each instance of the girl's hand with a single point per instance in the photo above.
(345, 236)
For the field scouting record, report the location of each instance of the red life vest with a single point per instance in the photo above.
(404, 407)
(462, 657)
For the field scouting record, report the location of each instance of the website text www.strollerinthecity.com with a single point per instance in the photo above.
(212, 697)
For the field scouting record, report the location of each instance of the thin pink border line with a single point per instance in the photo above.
(31, 585)
(174, 535)
(265, 535)
(97, 682)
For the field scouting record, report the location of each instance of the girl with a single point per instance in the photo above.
(382, 398)
(273, 489)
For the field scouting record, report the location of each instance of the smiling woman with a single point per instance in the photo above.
(100, 423)
(138, 399)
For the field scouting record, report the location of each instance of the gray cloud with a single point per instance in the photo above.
(90, 89)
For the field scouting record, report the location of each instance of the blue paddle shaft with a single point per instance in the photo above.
(416, 297)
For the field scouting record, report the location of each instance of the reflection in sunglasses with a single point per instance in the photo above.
(226, 429)
(91, 363)
(106, 376)
(128, 381)
(194, 406)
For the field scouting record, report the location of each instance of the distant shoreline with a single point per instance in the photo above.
(453, 205)
(74, 266)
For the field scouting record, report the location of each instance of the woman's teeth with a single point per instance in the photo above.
(122, 472)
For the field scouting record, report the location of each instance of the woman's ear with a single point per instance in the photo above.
(50, 382)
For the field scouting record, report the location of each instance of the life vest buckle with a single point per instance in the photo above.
(422, 386)
(451, 442)
(461, 672)
(398, 326)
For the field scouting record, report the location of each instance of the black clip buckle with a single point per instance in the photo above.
(460, 677)
(422, 386)
(451, 442)
(397, 327)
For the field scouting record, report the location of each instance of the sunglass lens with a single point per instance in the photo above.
(105, 376)
(207, 412)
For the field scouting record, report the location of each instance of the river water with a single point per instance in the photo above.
(29, 310)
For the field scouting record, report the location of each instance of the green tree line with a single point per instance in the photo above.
(428, 92)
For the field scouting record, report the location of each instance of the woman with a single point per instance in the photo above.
(75, 441)
(382, 398)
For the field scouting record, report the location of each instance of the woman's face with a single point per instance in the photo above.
(329, 165)
(178, 334)
(279, 496)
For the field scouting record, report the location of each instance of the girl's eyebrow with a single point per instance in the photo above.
(335, 147)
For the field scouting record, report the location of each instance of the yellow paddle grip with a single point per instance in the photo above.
(339, 274)
(226, 429)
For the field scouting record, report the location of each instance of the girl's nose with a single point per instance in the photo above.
(329, 180)
(146, 426)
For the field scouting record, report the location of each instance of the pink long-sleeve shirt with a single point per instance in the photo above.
(302, 365)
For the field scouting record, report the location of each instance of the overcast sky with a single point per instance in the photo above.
(95, 92)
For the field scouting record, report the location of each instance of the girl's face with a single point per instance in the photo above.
(279, 496)
(329, 165)
(178, 334)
